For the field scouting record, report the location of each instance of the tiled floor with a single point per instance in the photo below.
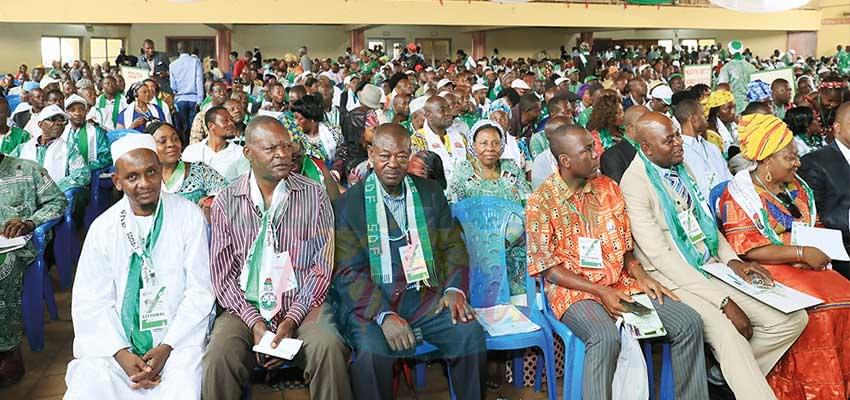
(44, 379)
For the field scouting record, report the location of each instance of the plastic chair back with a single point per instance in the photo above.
(714, 197)
(13, 100)
(38, 289)
(484, 220)
(112, 136)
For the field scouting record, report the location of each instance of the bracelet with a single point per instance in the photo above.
(799, 253)
(724, 302)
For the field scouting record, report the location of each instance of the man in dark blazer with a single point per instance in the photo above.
(151, 59)
(386, 317)
(614, 161)
(827, 171)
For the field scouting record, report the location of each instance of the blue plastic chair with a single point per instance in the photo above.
(484, 220)
(574, 360)
(38, 290)
(98, 196)
(66, 245)
(714, 197)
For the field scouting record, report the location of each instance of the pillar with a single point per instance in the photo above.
(358, 40)
(479, 44)
(223, 48)
(586, 37)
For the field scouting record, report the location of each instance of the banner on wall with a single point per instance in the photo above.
(772, 75)
(695, 74)
(132, 75)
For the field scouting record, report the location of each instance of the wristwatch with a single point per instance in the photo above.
(724, 302)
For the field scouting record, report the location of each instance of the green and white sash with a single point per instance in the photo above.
(378, 233)
(175, 181)
(267, 273)
(140, 276)
(116, 105)
(707, 223)
(744, 193)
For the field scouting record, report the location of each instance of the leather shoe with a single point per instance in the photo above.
(11, 367)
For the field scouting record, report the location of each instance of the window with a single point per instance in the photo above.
(105, 49)
(667, 44)
(64, 49)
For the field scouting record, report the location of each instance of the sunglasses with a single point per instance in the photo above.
(789, 204)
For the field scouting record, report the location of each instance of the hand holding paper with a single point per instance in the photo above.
(286, 349)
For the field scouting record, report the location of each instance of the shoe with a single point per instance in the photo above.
(11, 367)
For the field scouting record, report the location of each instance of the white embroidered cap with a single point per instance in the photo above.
(130, 142)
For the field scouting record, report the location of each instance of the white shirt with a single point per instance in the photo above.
(544, 166)
(229, 161)
(449, 157)
(705, 161)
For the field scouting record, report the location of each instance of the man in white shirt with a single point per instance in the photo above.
(90, 139)
(440, 135)
(216, 150)
(703, 158)
(142, 298)
(52, 151)
(110, 103)
(545, 163)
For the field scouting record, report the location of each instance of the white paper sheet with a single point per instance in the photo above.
(827, 240)
(286, 349)
(7, 245)
(504, 319)
(780, 297)
(644, 326)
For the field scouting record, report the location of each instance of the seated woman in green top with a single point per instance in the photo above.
(484, 173)
(196, 182)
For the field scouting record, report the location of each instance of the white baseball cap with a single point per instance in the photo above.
(75, 99)
(663, 93)
(417, 104)
(561, 80)
(444, 82)
(476, 87)
(520, 84)
(52, 111)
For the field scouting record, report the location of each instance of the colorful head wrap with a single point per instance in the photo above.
(484, 123)
(499, 105)
(762, 135)
(832, 85)
(717, 99)
(758, 90)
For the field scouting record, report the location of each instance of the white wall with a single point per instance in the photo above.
(762, 43)
(21, 43)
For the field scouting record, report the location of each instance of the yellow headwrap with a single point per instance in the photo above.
(716, 99)
(762, 135)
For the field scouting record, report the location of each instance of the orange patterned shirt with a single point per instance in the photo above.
(553, 230)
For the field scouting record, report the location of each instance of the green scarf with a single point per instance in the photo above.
(40, 152)
(83, 142)
(255, 260)
(706, 221)
(179, 171)
(141, 341)
(606, 139)
(378, 233)
(101, 104)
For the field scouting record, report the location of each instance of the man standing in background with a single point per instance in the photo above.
(187, 82)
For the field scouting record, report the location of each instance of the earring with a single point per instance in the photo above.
(768, 177)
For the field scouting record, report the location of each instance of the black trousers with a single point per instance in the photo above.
(462, 346)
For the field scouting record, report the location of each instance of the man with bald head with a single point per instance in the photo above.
(545, 163)
(616, 159)
(676, 235)
(271, 260)
(401, 275)
(142, 296)
(401, 108)
(558, 107)
(440, 135)
(827, 171)
(578, 208)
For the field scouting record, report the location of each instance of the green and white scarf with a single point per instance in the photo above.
(141, 341)
(101, 104)
(706, 220)
(744, 193)
(378, 233)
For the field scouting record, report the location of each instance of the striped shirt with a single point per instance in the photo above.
(304, 228)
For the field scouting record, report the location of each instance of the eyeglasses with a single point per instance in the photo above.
(57, 120)
(789, 204)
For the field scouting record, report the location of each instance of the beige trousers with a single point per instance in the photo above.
(323, 357)
(746, 363)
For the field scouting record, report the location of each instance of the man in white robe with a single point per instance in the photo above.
(141, 307)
